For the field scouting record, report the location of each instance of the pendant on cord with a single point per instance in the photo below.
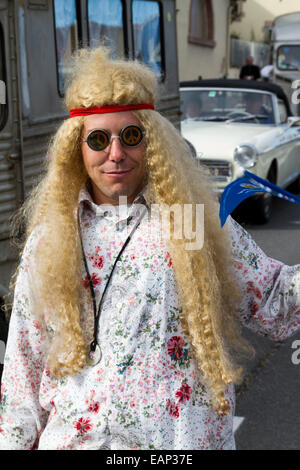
(95, 355)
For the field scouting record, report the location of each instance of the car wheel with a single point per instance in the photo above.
(295, 186)
(263, 209)
(262, 206)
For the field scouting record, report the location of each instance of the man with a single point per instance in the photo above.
(267, 72)
(119, 339)
(249, 71)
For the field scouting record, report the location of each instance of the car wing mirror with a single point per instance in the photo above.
(293, 121)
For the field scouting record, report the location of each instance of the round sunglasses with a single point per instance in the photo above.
(99, 139)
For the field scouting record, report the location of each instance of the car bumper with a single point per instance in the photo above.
(222, 173)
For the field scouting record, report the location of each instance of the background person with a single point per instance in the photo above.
(249, 71)
(267, 73)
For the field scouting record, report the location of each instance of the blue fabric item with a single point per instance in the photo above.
(246, 186)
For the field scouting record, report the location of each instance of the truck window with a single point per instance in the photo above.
(3, 102)
(66, 36)
(288, 58)
(106, 23)
(147, 28)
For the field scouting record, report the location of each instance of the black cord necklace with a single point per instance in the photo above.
(95, 353)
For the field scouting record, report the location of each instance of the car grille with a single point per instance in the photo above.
(219, 170)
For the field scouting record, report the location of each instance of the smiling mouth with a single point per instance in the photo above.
(117, 172)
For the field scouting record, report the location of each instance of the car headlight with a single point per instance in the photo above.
(245, 155)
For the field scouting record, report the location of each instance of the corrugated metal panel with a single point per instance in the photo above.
(240, 50)
(8, 196)
(35, 148)
(169, 107)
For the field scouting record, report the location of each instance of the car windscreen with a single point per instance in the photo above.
(227, 105)
(288, 58)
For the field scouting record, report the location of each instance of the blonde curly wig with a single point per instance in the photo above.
(205, 277)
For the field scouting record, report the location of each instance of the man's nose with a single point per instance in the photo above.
(116, 149)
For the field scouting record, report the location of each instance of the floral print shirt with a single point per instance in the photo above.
(146, 392)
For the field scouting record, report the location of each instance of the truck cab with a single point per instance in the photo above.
(285, 39)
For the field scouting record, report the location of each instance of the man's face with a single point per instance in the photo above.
(118, 170)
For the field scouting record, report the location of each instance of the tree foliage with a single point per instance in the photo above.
(236, 10)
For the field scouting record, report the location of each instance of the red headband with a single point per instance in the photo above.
(112, 108)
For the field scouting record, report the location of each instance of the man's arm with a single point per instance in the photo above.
(22, 418)
(271, 290)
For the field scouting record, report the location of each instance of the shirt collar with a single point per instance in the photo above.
(117, 213)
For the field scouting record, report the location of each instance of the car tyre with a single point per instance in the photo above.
(295, 186)
(262, 206)
(263, 209)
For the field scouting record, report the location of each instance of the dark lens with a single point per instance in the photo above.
(132, 136)
(98, 140)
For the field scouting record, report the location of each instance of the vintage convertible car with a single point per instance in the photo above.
(233, 125)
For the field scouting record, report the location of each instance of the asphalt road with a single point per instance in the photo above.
(269, 399)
